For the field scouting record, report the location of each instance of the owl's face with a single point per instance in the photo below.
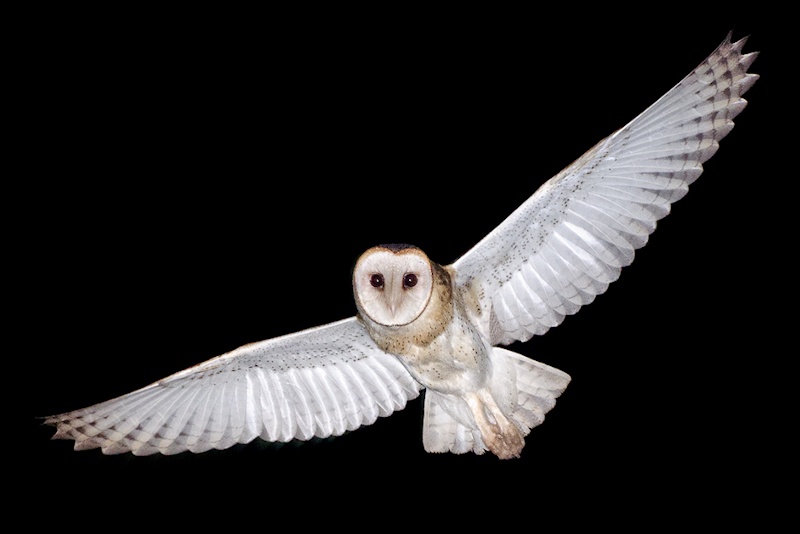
(392, 284)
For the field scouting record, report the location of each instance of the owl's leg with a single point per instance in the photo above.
(500, 434)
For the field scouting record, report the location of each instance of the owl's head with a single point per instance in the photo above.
(392, 284)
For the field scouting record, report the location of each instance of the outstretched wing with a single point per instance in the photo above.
(317, 382)
(571, 238)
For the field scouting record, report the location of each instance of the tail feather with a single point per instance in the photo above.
(441, 432)
(523, 389)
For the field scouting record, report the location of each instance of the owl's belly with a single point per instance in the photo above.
(455, 362)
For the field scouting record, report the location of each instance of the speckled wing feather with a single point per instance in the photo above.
(318, 382)
(571, 238)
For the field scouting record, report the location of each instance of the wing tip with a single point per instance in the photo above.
(736, 47)
(62, 431)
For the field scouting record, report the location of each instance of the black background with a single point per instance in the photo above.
(196, 181)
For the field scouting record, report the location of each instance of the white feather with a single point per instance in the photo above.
(319, 382)
(524, 390)
(571, 238)
(448, 426)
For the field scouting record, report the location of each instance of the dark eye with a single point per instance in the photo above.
(409, 280)
(376, 280)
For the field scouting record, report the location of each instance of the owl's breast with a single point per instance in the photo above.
(442, 349)
(456, 362)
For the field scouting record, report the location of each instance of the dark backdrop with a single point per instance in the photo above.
(201, 181)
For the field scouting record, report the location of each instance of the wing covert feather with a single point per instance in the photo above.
(571, 238)
(319, 382)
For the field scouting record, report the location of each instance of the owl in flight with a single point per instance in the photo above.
(422, 325)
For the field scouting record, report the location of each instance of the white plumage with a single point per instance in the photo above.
(565, 244)
(559, 250)
(318, 382)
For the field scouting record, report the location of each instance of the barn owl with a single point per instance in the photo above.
(439, 329)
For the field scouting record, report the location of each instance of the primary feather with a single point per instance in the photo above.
(571, 238)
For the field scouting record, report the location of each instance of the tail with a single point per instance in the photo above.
(523, 390)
